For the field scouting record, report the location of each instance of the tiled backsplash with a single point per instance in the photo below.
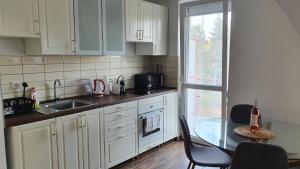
(42, 71)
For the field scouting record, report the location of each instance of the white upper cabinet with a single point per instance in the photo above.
(131, 20)
(160, 34)
(113, 27)
(138, 21)
(56, 29)
(145, 21)
(88, 27)
(19, 18)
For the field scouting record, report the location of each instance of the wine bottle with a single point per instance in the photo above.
(254, 119)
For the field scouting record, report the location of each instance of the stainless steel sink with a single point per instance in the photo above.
(61, 105)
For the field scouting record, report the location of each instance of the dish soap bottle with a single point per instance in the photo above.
(254, 119)
(34, 97)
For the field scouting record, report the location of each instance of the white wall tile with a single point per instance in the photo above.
(34, 77)
(102, 59)
(10, 70)
(53, 60)
(88, 66)
(54, 75)
(102, 65)
(88, 59)
(7, 79)
(10, 60)
(72, 82)
(71, 59)
(33, 69)
(72, 75)
(71, 67)
(54, 68)
(32, 60)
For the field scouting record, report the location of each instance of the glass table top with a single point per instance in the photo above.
(219, 132)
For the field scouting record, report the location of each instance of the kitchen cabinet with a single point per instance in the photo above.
(120, 148)
(80, 141)
(68, 142)
(170, 116)
(19, 18)
(120, 124)
(160, 34)
(138, 21)
(113, 27)
(88, 27)
(32, 146)
(56, 29)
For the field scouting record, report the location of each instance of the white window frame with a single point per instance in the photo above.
(184, 43)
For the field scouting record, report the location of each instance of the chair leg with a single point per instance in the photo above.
(189, 166)
(193, 166)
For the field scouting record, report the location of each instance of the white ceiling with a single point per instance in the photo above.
(292, 10)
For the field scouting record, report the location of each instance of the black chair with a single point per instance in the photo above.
(200, 155)
(241, 113)
(250, 155)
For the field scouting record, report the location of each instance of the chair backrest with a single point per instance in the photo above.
(186, 137)
(241, 113)
(249, 155)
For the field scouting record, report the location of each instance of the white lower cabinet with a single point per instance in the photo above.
(120, 148)
(170, 116)
(69, 142)
(32, 146)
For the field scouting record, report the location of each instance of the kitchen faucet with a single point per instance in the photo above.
(55, 97)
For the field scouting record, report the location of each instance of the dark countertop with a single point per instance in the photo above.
(96, 103)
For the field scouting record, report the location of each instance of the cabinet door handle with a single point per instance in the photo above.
(138, 34)
(121, 115)
(53, 128)
(73, 41)
(36, 27)
(84, 121)
(79, 121)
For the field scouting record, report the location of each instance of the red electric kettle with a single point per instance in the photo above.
(99, 88)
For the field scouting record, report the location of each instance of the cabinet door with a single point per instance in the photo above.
(93, 140)
(145, 21)
(70, 146)
(32, 146)
(88, 27)
(113, 27)
(57, 27)
(120, 148)
(171, 117)
(19, 18)
(132, 27)
(160, 30)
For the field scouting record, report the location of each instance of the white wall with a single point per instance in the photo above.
(265, 59)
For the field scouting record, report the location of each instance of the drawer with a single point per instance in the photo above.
(120, 126)
(120, 107)
(150, 104)
(120, 115)
(120, 148)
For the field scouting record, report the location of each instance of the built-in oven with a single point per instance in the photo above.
(150, 129)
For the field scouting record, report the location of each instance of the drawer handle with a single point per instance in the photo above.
(121, 115)
(116, 128)
(120, 108)
(120, 137)
(151, 107)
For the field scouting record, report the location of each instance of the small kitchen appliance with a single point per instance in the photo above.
(145, 83)
(118, 87)
(99, 88)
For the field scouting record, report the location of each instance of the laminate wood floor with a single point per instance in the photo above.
(169, 156)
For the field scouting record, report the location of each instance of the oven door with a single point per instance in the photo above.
(150, 127)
